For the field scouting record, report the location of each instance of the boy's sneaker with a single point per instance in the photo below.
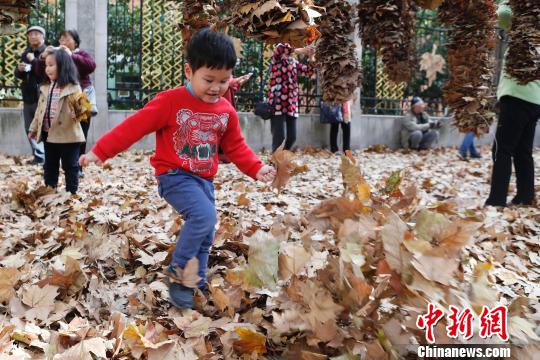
(463, 157)
(181, 296)
(476, 156)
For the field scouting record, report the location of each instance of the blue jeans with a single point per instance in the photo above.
(193, 198)
(467, 146)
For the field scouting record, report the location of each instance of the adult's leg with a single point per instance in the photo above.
(428, 139)
(473, 151)
(523, 159)
(277, 127)
(466, 144)
(291, 132)
(29, 110)
(85, 125)
(334, 129)
(51, 167)
(415, 138)
(193, 198)
(346, 128)
(509, 131)
(70, 164)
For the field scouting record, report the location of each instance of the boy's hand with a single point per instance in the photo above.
(242, 79)
(266, 173)
(89, 158)
(32, 136)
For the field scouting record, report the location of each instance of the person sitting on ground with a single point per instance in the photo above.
(417, 129)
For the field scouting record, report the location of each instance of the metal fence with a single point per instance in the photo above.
(50, 15)
(429, 32)
(145, 56)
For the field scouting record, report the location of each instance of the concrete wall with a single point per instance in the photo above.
(366, 130)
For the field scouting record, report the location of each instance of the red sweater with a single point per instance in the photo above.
(188, 134)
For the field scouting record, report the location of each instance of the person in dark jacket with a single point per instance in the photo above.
(27, 71)
(86, 65)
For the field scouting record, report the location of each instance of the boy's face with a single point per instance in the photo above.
(209, 84)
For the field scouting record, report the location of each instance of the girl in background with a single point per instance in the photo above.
(55, 123)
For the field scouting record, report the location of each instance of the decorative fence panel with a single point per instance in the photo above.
(145, 56)
(50, 15)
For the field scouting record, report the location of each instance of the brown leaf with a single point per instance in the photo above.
(353, 179)
(393, 234)
(219, 298)
(249, 342)
(188, 276)
(283, 161)
(242, 200)
(9, 277)
(36, 296)
(72, 278)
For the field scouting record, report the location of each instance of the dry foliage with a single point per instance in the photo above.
(340, 70)
(388, 27)
(523, 59)
(318, 271)
(196, 15)
(274, 21)
(14, 12)
(470, 60)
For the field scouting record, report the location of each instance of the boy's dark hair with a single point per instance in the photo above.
(211, 49)
(66, 69)
(74, 34)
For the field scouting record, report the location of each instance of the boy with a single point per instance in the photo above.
(190, 123)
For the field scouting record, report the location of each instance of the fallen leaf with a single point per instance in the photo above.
(9, 277)
(249, 342)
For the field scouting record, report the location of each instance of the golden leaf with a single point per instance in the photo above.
(249, 342)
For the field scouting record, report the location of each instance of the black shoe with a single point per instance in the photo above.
(519, 202)
(476, 156)
(35, 161)
(489, 203)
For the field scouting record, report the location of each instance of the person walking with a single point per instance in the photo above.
(27, 72)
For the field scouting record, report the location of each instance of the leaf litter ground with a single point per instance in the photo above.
(321, 269)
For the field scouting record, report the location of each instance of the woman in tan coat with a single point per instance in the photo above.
(55, 122)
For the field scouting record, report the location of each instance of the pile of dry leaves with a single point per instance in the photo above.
(470, 60)
(340, 71)
(196, 15)
(523, 59)
(276, 21)
(388, 27)
(14, 12)
(338, 264)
